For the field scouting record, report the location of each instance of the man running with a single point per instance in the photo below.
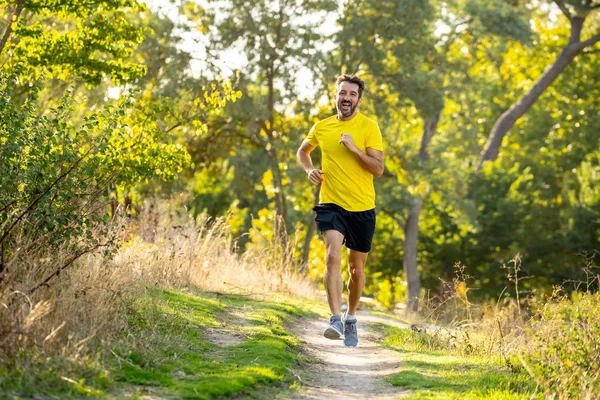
(352, 153)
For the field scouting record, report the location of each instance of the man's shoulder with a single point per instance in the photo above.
(326, 121)
(366, 120)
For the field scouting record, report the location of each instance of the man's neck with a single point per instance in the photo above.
(342, 118)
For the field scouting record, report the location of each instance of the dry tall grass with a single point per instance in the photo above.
(554, 338)
(88, 300)
(484, 328)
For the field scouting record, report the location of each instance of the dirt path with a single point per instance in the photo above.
(348, 373)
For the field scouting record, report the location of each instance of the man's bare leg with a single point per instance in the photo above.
(356, 267)
(332, 279)
(356, 283)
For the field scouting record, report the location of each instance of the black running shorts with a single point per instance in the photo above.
(357, 227)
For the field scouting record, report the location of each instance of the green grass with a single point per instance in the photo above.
(165, 351)
(389, 314)
(194, 368)
(168, 348)
(31, 372)
(433, 372)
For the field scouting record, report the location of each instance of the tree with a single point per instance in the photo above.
(56, 175)
(391, 41)
(57, 170)
(396, 44)
(576, 12)
(72, 38)
(276, 37)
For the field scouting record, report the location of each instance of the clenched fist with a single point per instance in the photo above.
(348, 141)
(315, 176)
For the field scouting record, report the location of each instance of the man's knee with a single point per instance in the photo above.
(356, 269)
(334, 259)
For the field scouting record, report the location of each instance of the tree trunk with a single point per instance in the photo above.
(429, 128)
(411, 235)
(280, 208)
(13, 20)
(517, 110)
(309, 233)
(1, 262)
(411, 228)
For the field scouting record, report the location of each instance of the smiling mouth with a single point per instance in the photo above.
(346, 104)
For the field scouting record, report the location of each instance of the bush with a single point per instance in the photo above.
(564, 351)
(57, 178)
(89, 310)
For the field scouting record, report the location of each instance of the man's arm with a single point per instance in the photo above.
(303, 155)
(372, 160)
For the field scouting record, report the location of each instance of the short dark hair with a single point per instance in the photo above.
(352, 79)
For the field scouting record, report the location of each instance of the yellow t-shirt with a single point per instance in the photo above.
(346, 183)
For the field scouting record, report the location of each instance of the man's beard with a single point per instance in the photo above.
(350, 110)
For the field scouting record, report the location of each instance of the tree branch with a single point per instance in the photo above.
(251, 139)
(44, 193)
(8, 205)
(177, 125)
(13, 19)
(576, 27)
(453, 33)
(564, 9)
(591, 41)
(67, 264)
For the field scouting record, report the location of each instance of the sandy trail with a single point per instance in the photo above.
(348, 373)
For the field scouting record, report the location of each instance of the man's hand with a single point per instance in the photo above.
(372, 160)
(348, 141)
(315, 176)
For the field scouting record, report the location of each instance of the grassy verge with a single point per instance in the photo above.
(437, 374)
(180, 345)
(98, 331)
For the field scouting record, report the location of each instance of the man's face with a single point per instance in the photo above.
(347, 99)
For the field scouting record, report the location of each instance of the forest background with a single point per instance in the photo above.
(199, 107)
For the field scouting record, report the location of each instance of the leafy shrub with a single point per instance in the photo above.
(56, 179)
(564, 351)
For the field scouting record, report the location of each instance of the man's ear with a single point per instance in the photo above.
(359, 102)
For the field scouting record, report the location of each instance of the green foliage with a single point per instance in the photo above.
(267, 29)
(500, 18)
(277, 39)
(173, 101)
(580, 8)
(75, 38)
(467, 59)
(56, 176)
(531, 200)
(403, 51)
(564, 356)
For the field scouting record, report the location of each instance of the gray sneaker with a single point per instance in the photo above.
(350, 333)
(334, 330)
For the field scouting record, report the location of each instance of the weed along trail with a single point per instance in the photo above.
(347, 373)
